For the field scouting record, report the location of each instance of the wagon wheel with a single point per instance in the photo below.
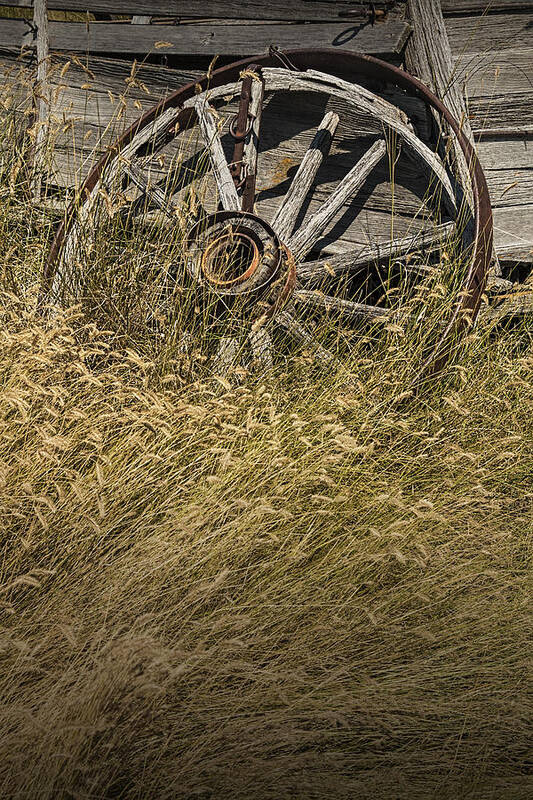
(259, 266)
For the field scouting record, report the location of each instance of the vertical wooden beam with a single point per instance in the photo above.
(42, 93)
(429, 56)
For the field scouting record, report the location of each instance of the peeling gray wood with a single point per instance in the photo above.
(429, 57)
(302, 242)
(287, 213)
(387, 38)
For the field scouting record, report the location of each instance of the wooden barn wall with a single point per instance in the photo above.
(95, 98)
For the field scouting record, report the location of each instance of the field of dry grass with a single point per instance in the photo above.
(295, 587)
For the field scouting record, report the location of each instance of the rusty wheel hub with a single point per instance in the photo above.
(238, 254)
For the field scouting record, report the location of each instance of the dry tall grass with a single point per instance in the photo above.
(292, 588)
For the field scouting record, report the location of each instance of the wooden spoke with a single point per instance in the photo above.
(261, 345)
(208, 127)
(292, 326)
(89, 215)
(226, 355)
(314, 272)
(311, 231)
(279, 79)
(287, 214)
(347, 308)
(251, 146)
(154, 193)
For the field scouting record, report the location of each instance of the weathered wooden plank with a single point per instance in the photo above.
(513, 227)
(502, 111)
(496, 72)
(489, 32)
(510, 187)
(429, 56)
(42, 93)
(310, 10)
(468, 6)
(516, 154)
(386, 38)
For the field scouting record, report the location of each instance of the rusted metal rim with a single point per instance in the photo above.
(344, 64)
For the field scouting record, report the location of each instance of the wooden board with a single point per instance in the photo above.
(482, 6)
(308, 10)
(495, 73)
(506, 154)
(513, 227)
(315, 10)
(513, 110)
(227, 40)
(489, 33)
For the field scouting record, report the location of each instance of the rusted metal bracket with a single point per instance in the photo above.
(240, 128)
